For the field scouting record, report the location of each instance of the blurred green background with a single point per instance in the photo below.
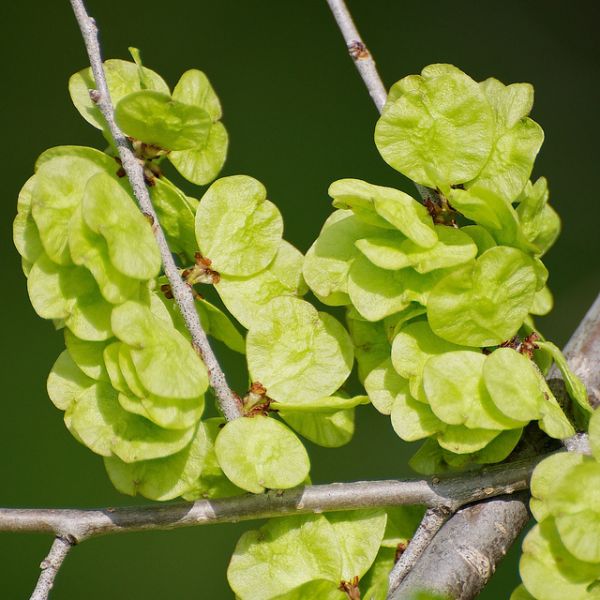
(298, 118)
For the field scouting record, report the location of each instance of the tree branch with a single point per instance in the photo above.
(228, 401)
(364, 62)
(50, 567)
(432, 521)
(463, 555)
(447, 494)
(359, 52)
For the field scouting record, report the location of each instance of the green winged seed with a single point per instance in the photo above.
(328, 260)
(237, 227)
(574, 385)
(577, 491)
(317, 588)
(499, 448)
(487, 208)
(219, 326)
(394, 207)
(161, 478)
(202, 164)
(168, 413)
(546, 476)
(374, 585)
(156, 119)
(69, 294)
(359, 534)
(194, 88)
(123, 78)
(391, 250)
(59, 185)
(411, 349)
(462, 440)
(245, 296)
(358, 196)
(338, 401)
(554, 421)
(212, 482)
(175, 216)
(129, 373)
(439, 133)
(88, 249)
(376, 293)
(117, 379)
(453, 384)
(484, 303)
(521, 593)
(550, 572)
(371, 345)
(579, 533)
(297, 353)
(480, 235)
(532, 200)
(413, 420)
(594, 434)
(164, 360)
(261, 453)
(99, 422)
(511, 162)
(513, 383)
(328, 429)
(543, 302)
(282, 555)
(511, 103)
(549, 228)
(386, 388)
(110, 212)
(26, 236)
(89, 356)
(66, 381)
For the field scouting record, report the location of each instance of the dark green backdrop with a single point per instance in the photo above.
(298, 118)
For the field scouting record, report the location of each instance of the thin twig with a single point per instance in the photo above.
(432, 521)
(50, 567)
(228, 401)
(363, 59)
(447, 494)
(359, 52)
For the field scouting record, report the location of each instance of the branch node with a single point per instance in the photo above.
(95, 96)
(358, 50)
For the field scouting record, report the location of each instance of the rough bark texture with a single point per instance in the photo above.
(464, 554)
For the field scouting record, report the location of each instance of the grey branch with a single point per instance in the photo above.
(432, 522)
(447, 494)
(359, 52)
(228, 401)
(50, 567)
(365, 64)
(464, 554)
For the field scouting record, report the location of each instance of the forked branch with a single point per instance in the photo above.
(228, 400)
